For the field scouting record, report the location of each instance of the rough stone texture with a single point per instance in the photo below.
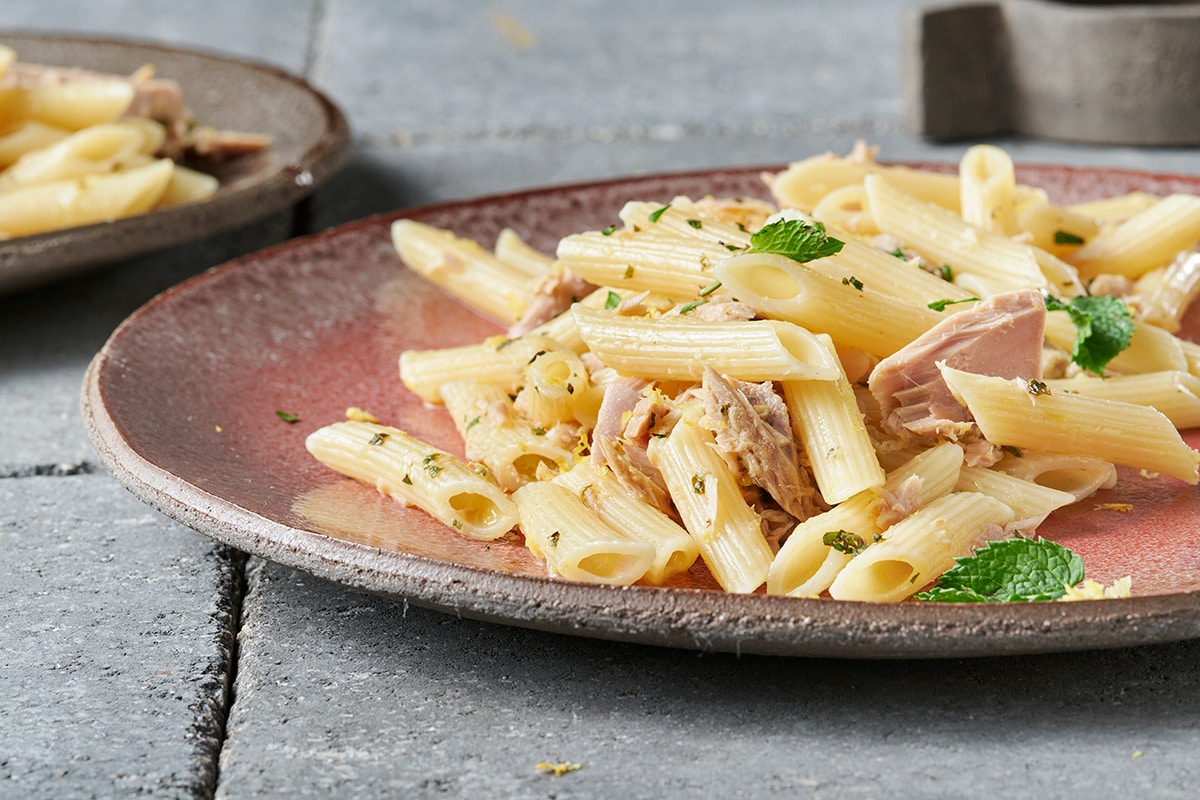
(116, 643)
(341, 694)
(338, 689)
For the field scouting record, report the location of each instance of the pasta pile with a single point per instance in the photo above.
(687, 386)
(79, 147)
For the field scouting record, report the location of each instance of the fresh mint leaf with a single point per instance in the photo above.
(1103, 328)
(795, 239)
(1009, 571)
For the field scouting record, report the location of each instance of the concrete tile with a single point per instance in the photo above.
(339, 692)
(116, 644)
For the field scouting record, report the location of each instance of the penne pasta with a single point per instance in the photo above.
(417, 474)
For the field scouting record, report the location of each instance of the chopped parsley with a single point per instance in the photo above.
(946, 273)
(433, 469)
(852, 281)
(795, 239)
(1017, 570)
(707, 290)
(1103, 328)
(609, 230)
(473, 422)
(698, 483)
(612, 300)
(1066, 237)
(654, 215)
(844, 542)
(1037, 388)
(286, 417)
(378, 438)
(692, 306)
(628, 271)
(940, 305)
(695, 223)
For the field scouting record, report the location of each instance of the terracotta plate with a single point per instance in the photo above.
(310, 141)
(181, 404)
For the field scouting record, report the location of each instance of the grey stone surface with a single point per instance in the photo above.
(342, 694)
(116, 644)
(339, 691)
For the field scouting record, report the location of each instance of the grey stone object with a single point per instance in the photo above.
(1076, 71)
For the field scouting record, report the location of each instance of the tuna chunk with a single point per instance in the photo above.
(551, 298)
(1001, 337)
(765, 451)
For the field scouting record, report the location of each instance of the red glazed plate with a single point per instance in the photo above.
(181, 404)
(310, 140)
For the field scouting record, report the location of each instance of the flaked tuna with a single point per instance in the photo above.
(1001, 336)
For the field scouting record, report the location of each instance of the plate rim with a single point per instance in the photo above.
(331, 149)
(700, 619)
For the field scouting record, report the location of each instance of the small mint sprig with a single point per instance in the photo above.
(1016, 570)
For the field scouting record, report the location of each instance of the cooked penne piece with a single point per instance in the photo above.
(417, 474)
(1031, 502)
(826, 419)
(512, 250)
(71, 105)
(674, 548)
(1080, 476)
(1164, 305)
(82, 201)
(1145, 241)
(919, 548)
(554, 381)
(987, 189)
(806, 564)
(498, 360)
(706, 493)
(515, 449)
(644, 261)
(574, 541)
(464, 269)
(26, 136)
(96, 149)
(678, 347)
(995, 263)
(1008, 413)
(854, 316)
(805, 183)
(1175, 393)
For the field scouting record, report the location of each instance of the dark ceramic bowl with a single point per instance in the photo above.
(310, 140)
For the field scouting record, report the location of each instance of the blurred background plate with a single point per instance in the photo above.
(310, 140)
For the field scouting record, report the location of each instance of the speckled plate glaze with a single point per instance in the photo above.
(309, 134)
(181, 404)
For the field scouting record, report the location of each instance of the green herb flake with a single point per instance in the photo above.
(456, 523)
(733, 248)
(692, 306)
(850, 280)
(536, 356)
(844, 542)
(707, 290)
(407, 480)
(433, 469)
(609, 231)
(474, 422)
(655, 215)
(795, 239)
(1103, 328)
(538, 431)
(378, 439)
(899, 253)
(695, 223)
(612, 300)
(940, 305)
(1037, 388)
(1017, 570)
(699, 483)
(286, 417)
(946, 273)
(1066, 237)
(554, 536)
(628, 271)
